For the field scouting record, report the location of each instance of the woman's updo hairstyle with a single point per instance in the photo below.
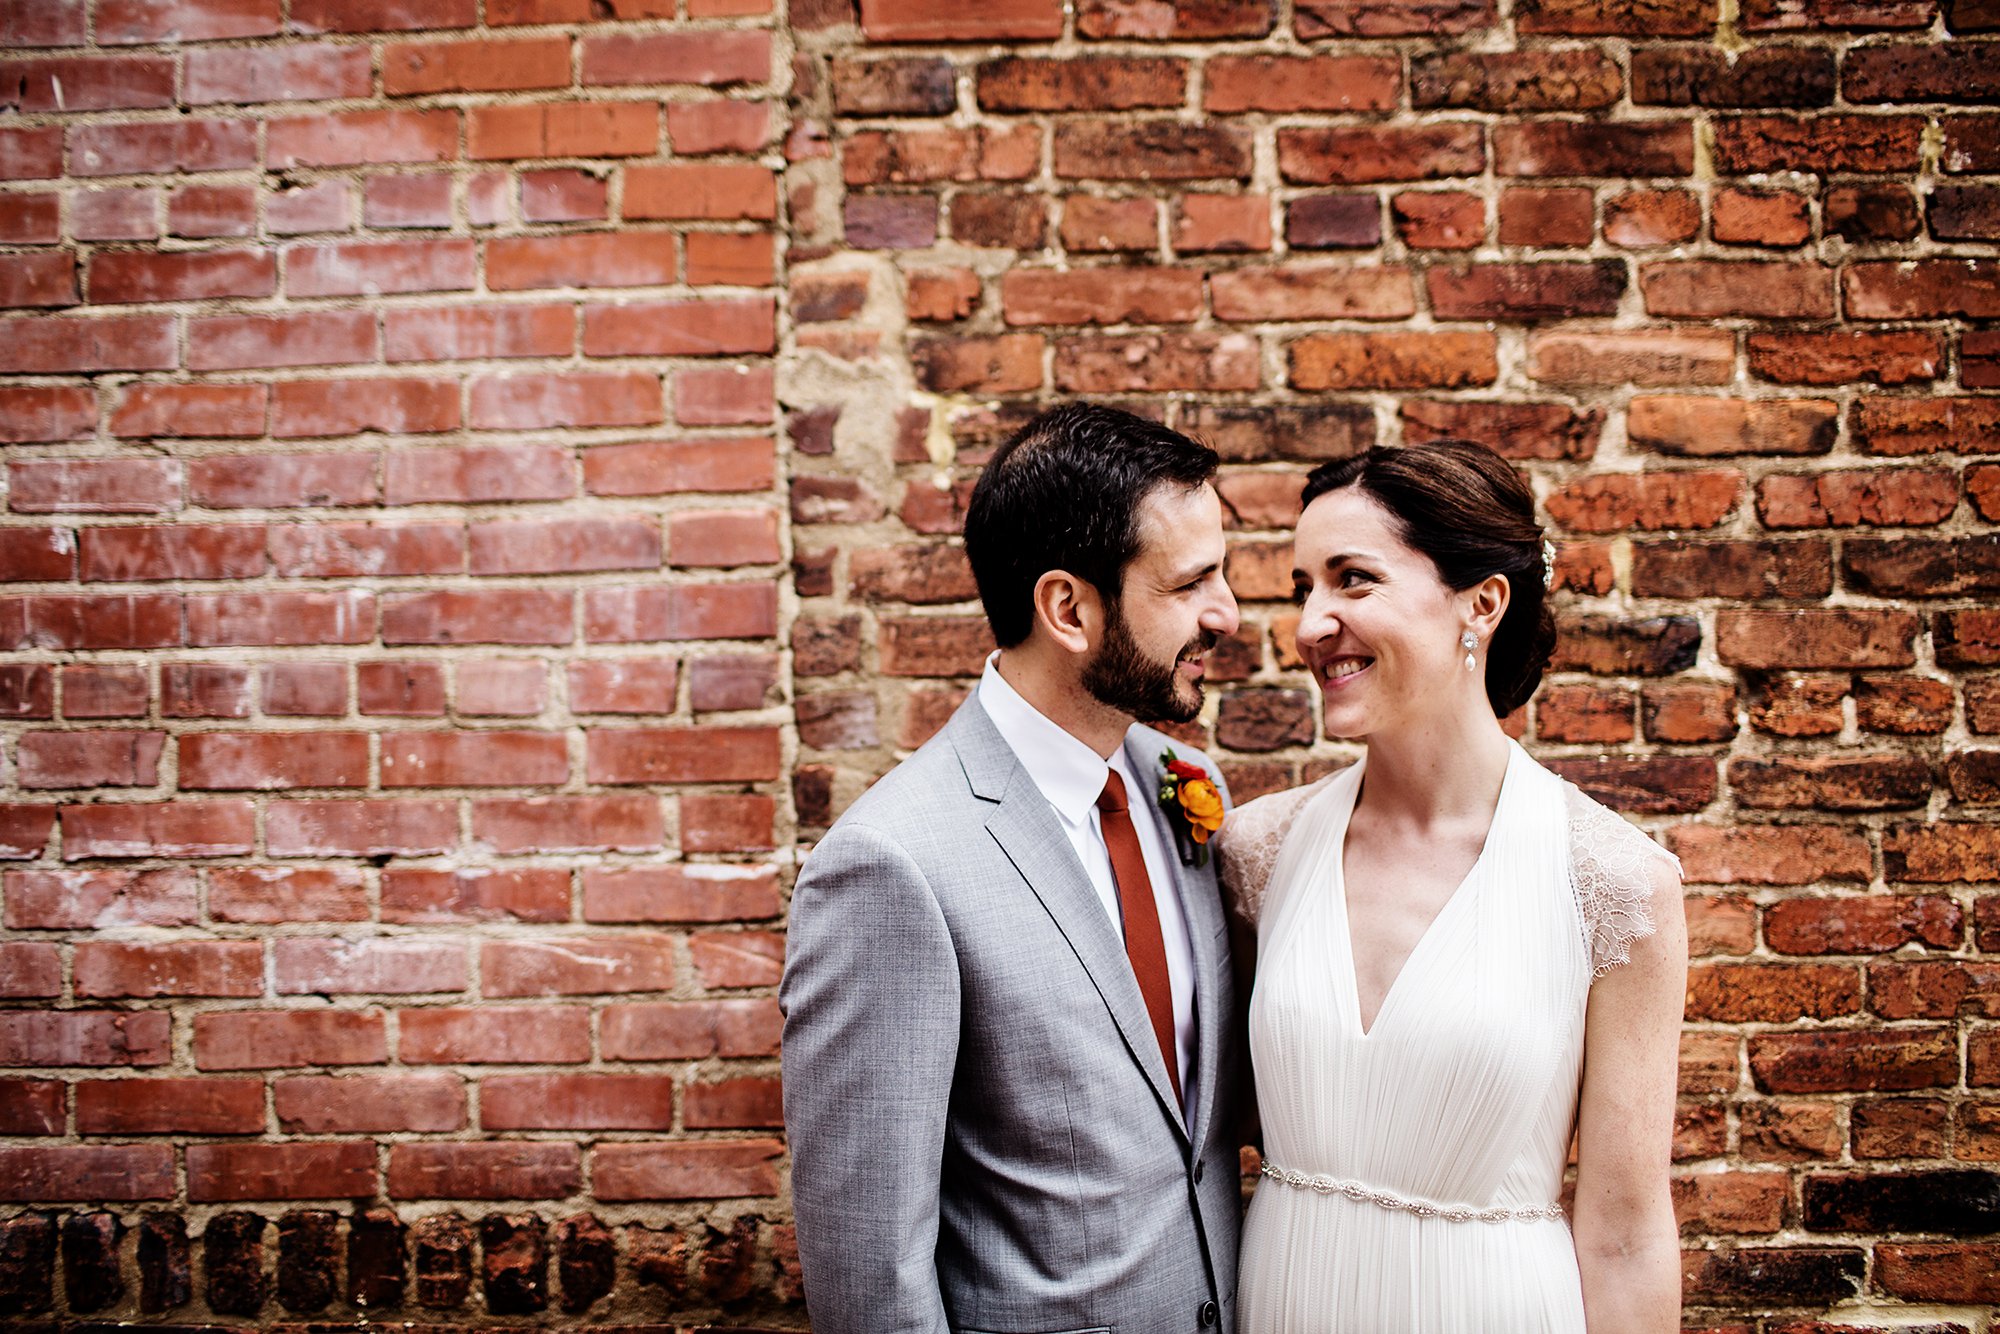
(1465, 508)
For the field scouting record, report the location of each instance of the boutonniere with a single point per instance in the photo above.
(1193, 807)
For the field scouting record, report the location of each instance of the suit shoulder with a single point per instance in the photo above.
(905, 800)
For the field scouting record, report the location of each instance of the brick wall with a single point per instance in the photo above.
(483, 479)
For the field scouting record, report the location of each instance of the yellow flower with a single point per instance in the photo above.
(1203, 807)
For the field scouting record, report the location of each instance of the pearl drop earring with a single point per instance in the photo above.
(1469, 641)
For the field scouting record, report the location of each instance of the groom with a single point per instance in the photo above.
(1007, 990)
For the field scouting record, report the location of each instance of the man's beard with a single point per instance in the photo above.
(1124, 678)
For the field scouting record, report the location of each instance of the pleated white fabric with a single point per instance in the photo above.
(1464, 1091)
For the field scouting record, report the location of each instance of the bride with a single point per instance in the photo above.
(1462, 961)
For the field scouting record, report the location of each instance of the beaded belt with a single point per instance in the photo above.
(1383, 1199)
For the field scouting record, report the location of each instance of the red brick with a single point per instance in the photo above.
(323, 966)
(1708, 427)
(46, 412)
(1206, 223)
(360, 828)
(733, 1104)
(510, 826)
(684, 465)
(1940, 854)
(577, 1102)
(1543, 79)
(466, 475)
(274, 894)
(1869, 925)
(473, 759)
(305, 409)
(208, 551)
(277, 618)
(185, 410)
(623, 685)
(315, 16)
(578, 965)
(1091, 223)
(87, 1173)
(564, 196)
(351, 138)
(1400, 360)
(478, 332)
(1101, 296)
(691, 1030)
(27, 690)
(1305, 83)
(320, 1171)
(30, 1107)
(109, 691)
(1850, 357)
(1158, 150)
(502, 687)
(28, 219)
(593, 260)
(1939, 1271)
(1731, 993)
(685, 1171)
(1585, 148)
(1359, 155)
(706, 192)
(306, 338)
(1081, 84)
(150, 147)
(304, 689)
(729, 259)
(682, 755)
(1902, 426)
(711, 58)
(115, 213)
(1439, 220)
(89, 759)
(39, 280)
(1847, 498)
(368, 1104)
(484, 65)
(680, 328)
(1654, 500)
(684, 894)
(268, 1039)
(1649, 357)
(926, 21)
(169, 1106)
(1150, 362)
(371, 268)
(1839, 1061)
(1815, 638)
(1777, 218)
(32, 969)
(94, 486)
(497, 1170)
(180, 829)
(179, 968)
(324, 206)
(1923, 288)
(478, 616)
(1551, 216)
(85, 1037)
(89, 900)
(719, 126)
(526, 894)
(282, 481)
(526, 402)
(305, 72)
(1702, 289)
(1770, 855)
(495, 1035)
(1376, 18)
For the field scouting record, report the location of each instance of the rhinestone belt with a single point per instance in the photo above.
(1384, 1199)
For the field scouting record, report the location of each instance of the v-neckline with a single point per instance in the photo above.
(1365, 1030)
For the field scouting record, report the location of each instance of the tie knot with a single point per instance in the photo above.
(1112, 799)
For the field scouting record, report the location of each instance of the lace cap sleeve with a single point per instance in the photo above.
(1247, 845)
(1613, 864)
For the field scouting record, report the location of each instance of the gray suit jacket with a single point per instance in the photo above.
(983, 1133)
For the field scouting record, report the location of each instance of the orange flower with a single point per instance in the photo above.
(1203, 806)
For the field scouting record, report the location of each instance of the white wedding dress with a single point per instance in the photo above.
(1419, 1163)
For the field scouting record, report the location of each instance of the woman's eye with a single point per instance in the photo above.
(1353, 578)
(1299, 593)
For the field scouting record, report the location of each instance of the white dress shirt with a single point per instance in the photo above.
(1070, 775)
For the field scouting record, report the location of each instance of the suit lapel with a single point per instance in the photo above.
(1028, 832)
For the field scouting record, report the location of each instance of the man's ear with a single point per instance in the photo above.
(1069, 610)
(1489, 599)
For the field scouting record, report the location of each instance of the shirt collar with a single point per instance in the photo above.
(1068, 773)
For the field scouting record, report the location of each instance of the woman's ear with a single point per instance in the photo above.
(1069, 611)
(1488, 603)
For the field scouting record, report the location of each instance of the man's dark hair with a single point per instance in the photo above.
(1064, 494)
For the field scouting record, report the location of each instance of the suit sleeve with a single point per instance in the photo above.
(871, 1003)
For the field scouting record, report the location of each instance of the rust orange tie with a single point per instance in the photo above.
(1144, 944)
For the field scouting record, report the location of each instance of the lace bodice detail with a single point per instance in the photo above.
(1612, 866)
(1247, 845)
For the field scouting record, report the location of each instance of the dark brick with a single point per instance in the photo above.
(659, 1260)
(1517, 430)
(1957, 1203)
(1334, 222)
(165, 1270)
(1943, 72)
(1920, 567)
(728, 1261)
(920, 87)
(1617, 18)
(1745, 571)
(515, 1264)
(1877, 212)
(1768, 1276)
(92, 1280)
(1774, 76)
(1659, 646)
(1650, 784)
(307, 1276)
(376, 1262)
(1965, 213)
(1527, 291)
(1825, 143)
(1833, 783)
(1516, 81)
(1314, 19)
(1974, 776)
(1265, 719)
(232, 1261)
(443, 1249)
(27, 1264)
(586, 1262)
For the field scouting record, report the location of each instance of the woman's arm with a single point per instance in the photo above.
(1627, 1242)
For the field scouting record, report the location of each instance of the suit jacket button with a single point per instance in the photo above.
(1208, 1314)
(1197, 1171)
